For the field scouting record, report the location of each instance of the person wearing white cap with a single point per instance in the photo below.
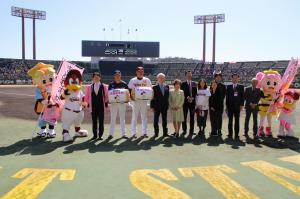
(117, 85)
(139, 106)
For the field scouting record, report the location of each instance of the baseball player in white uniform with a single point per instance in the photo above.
(139, 106)
(117, 107)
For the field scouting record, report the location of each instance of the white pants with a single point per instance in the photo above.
(263, 119)
(69, 118)
(114, 108)
(139, 106)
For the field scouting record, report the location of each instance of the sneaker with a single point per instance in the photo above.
(67, 137)
(42, 133)
(261, 132)
(269, 132)
(81, 133)
(145, 136)
(51, 133)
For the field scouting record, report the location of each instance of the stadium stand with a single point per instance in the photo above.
(14, 71)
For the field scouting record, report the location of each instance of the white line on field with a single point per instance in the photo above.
(17, 94)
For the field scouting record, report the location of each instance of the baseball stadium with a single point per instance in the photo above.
(253, 152)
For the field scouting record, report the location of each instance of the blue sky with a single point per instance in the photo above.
(253, 29)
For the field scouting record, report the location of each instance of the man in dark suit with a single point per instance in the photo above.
(252, 97)
(221, 90)
(97, 98)
(189, 88)
(160, 104)
(234, 105)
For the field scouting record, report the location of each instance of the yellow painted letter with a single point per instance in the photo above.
(36, 182)
(215, 176)
(274, 172)
(293, 159)
(153, 187)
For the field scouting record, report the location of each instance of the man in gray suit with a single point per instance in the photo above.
(252, 97)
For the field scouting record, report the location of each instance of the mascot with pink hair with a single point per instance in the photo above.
(287, 116)
(269, 81)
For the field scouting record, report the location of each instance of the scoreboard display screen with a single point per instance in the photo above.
(119, 49)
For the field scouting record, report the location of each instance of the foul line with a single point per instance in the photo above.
(17, 94)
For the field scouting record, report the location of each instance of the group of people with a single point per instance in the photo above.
(197, 98)
(182, 99)
(185, 98)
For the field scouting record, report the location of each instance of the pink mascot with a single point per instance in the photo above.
(287, 116)
(269, 82)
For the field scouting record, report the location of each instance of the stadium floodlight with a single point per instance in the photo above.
(28, 13)
(31, 14)
(207, 19)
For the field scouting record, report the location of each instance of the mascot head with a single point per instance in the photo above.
(291, 97)
(73, 80)
(42, 75)
(269, 81)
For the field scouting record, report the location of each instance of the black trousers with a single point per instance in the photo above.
(188, 107)
(220, 122)
(164, 114)
(236, 115)
(254, 112)
(201, 120)
(215, 121)
(98, 115)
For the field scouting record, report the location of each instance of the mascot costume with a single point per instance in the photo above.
(287, 116)
(72, 113)
(49, 112)
(269, 82)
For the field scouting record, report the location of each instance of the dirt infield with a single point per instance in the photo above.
(18, 101)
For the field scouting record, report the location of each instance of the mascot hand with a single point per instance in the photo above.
(84, 104)
(44, 102)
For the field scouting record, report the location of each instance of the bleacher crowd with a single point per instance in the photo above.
(13, 71)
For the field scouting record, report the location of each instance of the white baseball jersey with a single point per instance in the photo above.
(73, 101)
(135, 82)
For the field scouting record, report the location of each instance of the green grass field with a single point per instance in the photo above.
(200, 167)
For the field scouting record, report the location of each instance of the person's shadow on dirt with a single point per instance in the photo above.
(38, 146)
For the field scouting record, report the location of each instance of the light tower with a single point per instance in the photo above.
(207, 19)
(32, 14)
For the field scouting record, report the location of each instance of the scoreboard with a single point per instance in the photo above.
(119, 49)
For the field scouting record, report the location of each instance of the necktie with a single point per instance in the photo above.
(190, 85)
(162, 89)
